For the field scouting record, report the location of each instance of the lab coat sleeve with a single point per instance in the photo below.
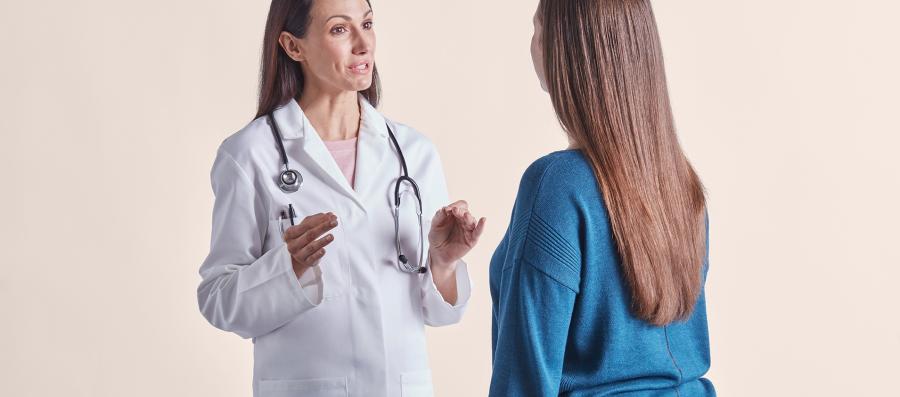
(244, 290)
(437, 311)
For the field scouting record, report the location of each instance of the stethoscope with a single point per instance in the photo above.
(289, 181)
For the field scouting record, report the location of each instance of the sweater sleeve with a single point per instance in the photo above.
(538, 286)
(537, 297)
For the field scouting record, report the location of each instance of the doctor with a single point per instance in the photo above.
(332, 241)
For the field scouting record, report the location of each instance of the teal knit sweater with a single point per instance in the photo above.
(561, 318)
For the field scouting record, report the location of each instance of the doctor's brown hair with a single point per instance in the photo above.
(281, 78)
(605, 75)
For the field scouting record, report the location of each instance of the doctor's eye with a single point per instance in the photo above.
(368, 25)
(339, 29)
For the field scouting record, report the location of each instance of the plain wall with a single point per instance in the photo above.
(112, 112)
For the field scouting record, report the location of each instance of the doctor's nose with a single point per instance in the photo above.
(362, 45)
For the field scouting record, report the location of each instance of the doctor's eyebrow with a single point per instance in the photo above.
(347, 17)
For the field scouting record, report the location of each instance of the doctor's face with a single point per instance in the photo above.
(338, 51)
(537, 48)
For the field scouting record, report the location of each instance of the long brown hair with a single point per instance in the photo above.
(604, 70)
(281, 78)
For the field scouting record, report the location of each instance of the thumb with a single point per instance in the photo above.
(479, 228)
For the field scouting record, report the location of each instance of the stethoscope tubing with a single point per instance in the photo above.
(290, 180)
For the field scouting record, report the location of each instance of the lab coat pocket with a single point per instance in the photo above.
(333, 270)
(322, 387)
(416, 384)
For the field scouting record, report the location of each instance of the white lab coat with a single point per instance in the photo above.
(354, 325)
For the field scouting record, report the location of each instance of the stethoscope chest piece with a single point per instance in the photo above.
(289, 181)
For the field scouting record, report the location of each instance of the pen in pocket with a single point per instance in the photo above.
(290, 215)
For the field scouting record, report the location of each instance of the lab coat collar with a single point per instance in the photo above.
(372, 147)
(293, 123)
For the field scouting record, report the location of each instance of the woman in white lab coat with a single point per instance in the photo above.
(332, 308)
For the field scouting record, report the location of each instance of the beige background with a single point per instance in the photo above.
(112, 111)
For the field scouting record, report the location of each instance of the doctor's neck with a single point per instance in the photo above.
(334, 115)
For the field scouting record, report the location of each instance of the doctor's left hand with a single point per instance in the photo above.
(454, 232)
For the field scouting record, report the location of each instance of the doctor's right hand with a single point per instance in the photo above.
(304, 242)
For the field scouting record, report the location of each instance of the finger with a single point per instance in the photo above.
(440, 217)
(479, 229)
(460, 214)
(300, 250)
(294, 232)
(310, 232)
(314, 247)
(316, 218)
(318, 230)
(471, 223)
(460, 204)
(298, 230)
(312, 260)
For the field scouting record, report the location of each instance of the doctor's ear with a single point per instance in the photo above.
(291, 46)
